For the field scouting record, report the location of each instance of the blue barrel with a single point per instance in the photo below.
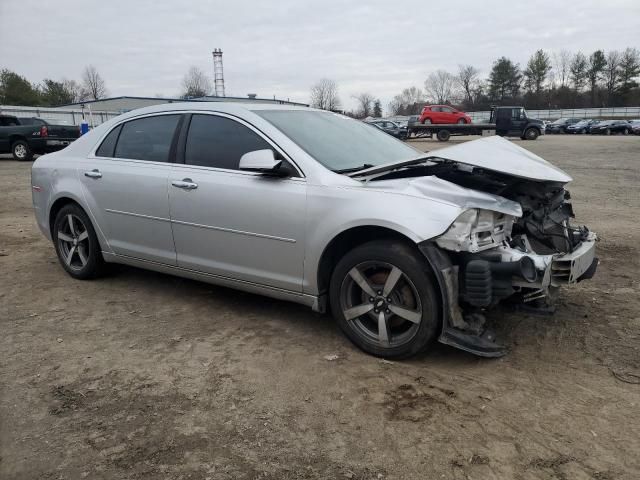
(84, 128)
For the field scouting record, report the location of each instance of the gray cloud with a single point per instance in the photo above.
(144, 47)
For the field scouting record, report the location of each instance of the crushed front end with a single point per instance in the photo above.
(495, 257)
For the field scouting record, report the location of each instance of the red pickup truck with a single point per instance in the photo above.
(442, 114)
(24, 137)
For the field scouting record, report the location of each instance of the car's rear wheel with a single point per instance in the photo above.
(384, 299)
(607, 131)
(626, 131)
(427, 121)
(21, 151)
(76, 243)
(443, 135)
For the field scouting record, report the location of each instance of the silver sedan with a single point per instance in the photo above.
(310, 206)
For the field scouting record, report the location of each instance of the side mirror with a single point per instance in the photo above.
(263, 161)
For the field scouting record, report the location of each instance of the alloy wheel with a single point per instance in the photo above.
(20, 151)
(381, 303)
(73, 242)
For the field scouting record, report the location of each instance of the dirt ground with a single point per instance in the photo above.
(141, 375)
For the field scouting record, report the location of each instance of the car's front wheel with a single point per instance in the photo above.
(76, 243)
(461, 121)
(531, 134)
(384, 299)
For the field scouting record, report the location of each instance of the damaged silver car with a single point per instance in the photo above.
(404, 248)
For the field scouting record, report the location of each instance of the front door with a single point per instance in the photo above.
(518, 121)
(125, 185)
(235, 224)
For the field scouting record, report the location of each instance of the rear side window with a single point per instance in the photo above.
(219, 142)
(109, 143)
(147, 138)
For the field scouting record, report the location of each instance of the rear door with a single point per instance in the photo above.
(503, 121)
(125, 185)
(436, 115)
(232, 223)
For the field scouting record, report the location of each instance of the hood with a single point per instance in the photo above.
(442, 191)
(500, 155)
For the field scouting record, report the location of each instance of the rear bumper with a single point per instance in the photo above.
(46, 145)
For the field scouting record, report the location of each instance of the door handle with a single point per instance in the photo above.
(185, 184)
(95, 173)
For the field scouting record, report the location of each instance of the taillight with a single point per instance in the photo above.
(44, 131)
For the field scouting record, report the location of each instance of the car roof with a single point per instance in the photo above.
(222, 107)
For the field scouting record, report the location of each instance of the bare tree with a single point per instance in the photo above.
(74, 90)
(195, 83)
(93, 85)
(562, 66)
(612, 72)
(439, 86)
(409, 102)
(579, 66)
(468, 79)
(324, 95)
(365, 104)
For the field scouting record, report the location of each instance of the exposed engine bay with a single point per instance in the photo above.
(497, 256)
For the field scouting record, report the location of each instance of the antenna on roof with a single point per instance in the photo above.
(218, 73)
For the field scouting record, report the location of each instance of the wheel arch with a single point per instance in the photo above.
(15, 137)
(58, 205)
(347, 240)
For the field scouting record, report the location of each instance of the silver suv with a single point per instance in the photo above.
(404, 247)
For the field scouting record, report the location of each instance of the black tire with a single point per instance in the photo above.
(413, 292)
(461, 121)
(531, 133)
(426, 121)
(443, 135)
(607, 131)
(626, 131)
(85, 261)
(21, 151)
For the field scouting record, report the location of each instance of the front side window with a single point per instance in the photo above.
(336, 141)
(219, 142)
(447, 110)
(147, 138)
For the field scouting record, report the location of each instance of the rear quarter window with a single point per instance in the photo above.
(108, 145)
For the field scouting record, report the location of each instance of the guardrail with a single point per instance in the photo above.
(69, 117)
(554, 114)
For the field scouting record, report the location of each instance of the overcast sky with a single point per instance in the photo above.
(144, 47)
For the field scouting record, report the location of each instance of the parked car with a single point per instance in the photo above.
(635, 126)
(391, 128)
(583, 126)
(443, 114)
(560, 125)
(403, 247)
(608, 127)
(24, 137)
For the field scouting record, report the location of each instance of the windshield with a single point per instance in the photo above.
(338, 142)
(581, 123)
(560, 120)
